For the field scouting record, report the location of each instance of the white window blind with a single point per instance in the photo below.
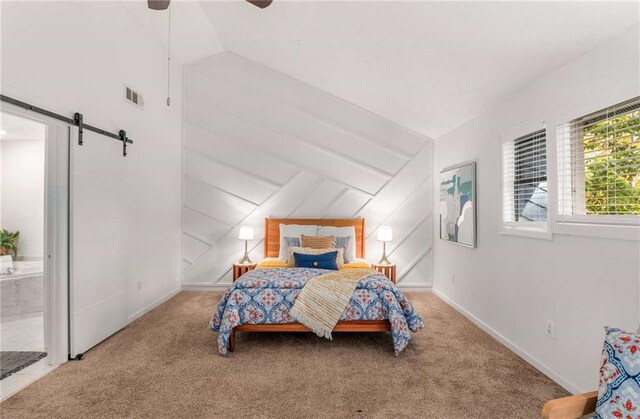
(525, 181)
(599, 165)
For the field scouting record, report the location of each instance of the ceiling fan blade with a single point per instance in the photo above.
(260, 3)
(158, 4)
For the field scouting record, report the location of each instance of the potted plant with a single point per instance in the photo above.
(9, 242)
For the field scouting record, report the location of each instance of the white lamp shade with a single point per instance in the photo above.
(246, 233)
(385, 234)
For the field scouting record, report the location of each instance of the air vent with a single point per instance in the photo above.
(133, 97)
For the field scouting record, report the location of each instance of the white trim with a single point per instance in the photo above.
(154, 304)
(387, 147)
(73, 140)
(201, 287)
(534, 232)
(57, 249)
(610, 231)
(537, 230)
(415, 287)
(428, 252)
(540, 366)
(602, 220)
(623, 227)
(56, 226)
(323, 93)
(288, 158)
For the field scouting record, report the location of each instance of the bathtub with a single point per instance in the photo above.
(21, 291)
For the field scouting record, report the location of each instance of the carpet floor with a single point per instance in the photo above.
(166, 364)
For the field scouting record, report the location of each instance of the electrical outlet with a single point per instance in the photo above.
(139, 285)
(550, 329)
(453, 279)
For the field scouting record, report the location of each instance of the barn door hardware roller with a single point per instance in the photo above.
(77, 121)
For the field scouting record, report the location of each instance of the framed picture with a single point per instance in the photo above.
(458, 204)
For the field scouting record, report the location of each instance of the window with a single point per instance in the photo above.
(524, 183)
(599, 166)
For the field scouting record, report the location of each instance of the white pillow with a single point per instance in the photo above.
(342, 232)
(294, 230)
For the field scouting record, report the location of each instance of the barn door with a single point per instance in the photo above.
(99, 227)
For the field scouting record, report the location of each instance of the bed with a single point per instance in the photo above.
(260, 299)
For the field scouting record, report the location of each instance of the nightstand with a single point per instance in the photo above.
(388, 270)
(240, 269)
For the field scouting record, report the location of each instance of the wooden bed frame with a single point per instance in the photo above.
(272, 249)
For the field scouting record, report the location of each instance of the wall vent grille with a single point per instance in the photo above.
(133, 97)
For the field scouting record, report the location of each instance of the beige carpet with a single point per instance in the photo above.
(166, 364)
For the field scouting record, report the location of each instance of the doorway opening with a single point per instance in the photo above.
(33, 247)
(22, 179)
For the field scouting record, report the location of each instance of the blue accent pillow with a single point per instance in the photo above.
(344, 243)
(619, 392)
(321, 261)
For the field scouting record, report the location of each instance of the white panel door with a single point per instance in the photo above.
(99, 240)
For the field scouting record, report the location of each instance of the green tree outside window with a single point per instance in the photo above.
(612, 165)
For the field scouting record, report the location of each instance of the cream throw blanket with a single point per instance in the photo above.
(325, 297)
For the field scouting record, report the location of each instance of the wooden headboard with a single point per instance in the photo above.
(272, 232)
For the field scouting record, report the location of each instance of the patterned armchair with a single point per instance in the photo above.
(619, 388)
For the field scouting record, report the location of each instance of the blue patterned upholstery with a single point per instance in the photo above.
(619, 392)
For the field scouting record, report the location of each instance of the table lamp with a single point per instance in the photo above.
(246, 234)
(384, 235)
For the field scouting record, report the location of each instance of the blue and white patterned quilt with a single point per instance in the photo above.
(264, 296)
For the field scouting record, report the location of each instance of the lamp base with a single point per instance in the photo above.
(383, 259)
(245, 259)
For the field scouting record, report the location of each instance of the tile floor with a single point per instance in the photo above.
(23, 333)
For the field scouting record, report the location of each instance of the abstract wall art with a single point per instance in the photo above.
(458, 204)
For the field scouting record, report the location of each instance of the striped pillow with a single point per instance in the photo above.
(318, 242)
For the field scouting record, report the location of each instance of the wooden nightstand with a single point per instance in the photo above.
(241, 268)
(388, 270)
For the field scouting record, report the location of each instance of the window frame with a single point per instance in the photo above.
(625, 227)
(537, 229)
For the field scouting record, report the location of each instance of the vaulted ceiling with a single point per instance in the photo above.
(429, 66)
(192, 35)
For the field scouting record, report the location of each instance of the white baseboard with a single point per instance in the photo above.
(415, 287)
(154, 304)
(205, 287)
(570, 387)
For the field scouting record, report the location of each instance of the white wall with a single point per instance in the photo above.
(261, 144)
(512, 284)
(22, 200)
(76, 56)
